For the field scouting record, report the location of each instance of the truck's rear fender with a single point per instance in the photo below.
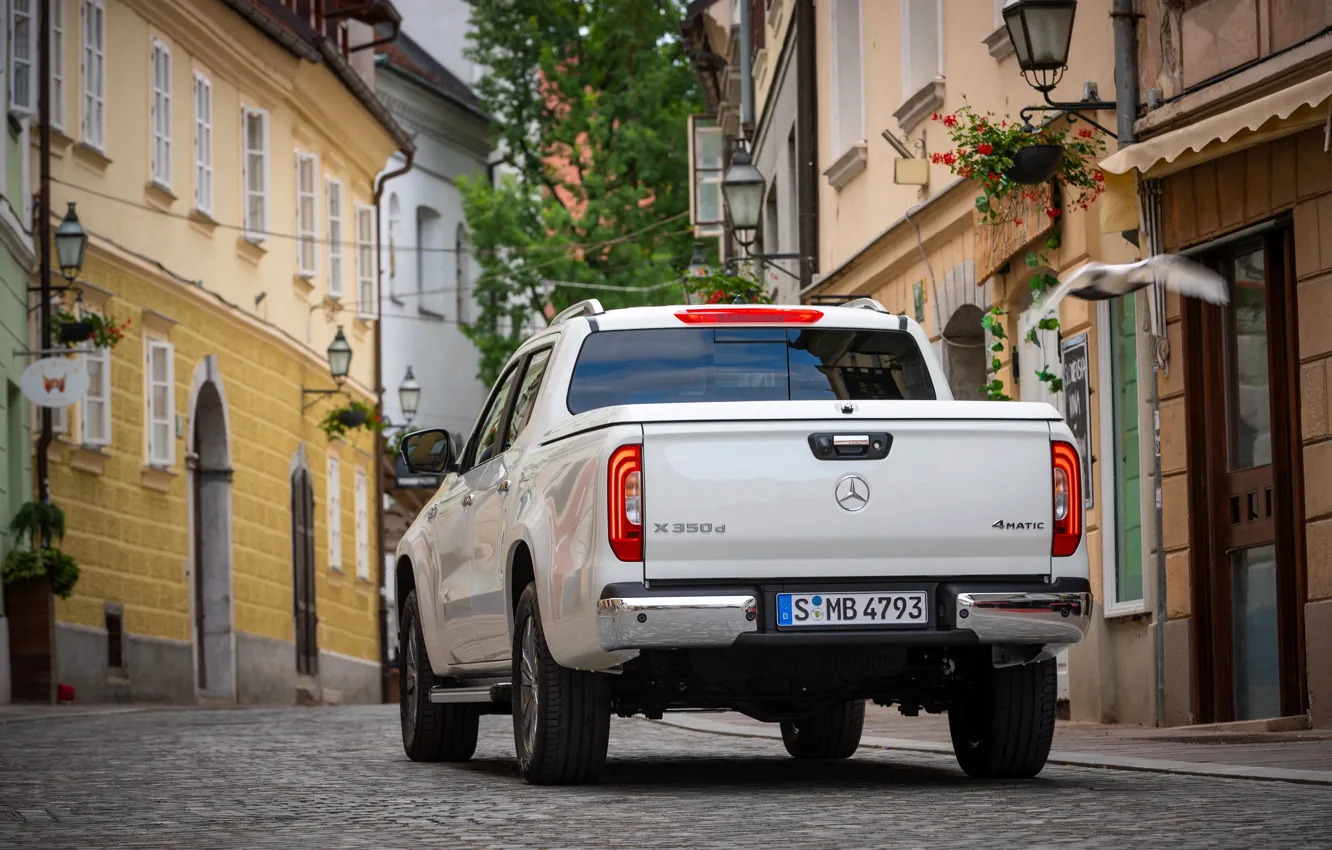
(1077, 564)
(561, 514)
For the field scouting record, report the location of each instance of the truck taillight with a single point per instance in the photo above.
(1067, 499)
(625, 503)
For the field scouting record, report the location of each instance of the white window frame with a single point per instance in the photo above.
(701, 176)
(333, 504)
(255, 231)
(365, 260)
(909, 38)
(57, 65)
(159, 121)
(159, 456)
(203, 143)
(334, 210)
(23, 99)
(362, 526)
(102, 357)
(307, 226)
(855, 29)
(93, 73)
(1109, 519)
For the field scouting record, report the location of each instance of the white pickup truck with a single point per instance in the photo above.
(772, 510)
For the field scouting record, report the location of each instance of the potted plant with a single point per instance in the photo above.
(35, 558)
(338, 421)
(104, 331)
(1014, 161)
(721, 288)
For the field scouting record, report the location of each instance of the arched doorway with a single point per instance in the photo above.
(303, 567)
(210, 533)
(964, 353)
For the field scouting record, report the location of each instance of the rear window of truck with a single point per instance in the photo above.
(674, 365)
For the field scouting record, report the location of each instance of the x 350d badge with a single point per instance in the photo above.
(687, 528)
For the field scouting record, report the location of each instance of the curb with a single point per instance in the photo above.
(1071, 759)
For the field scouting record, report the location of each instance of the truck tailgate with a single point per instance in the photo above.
(957, 495)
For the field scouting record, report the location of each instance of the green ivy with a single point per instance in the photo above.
(36, 526)
(1041, 283)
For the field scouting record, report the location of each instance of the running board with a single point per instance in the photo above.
(482, 694)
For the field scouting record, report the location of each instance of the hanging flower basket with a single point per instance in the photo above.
(353, 414)
(104, 331)
(726, 289)
(76, 332)
(1012, 161)
(1035, 165)
(352, 418)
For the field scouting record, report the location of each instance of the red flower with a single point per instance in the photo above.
(936, 158)
(949, 158)
(950, 120)
(1018, 222)
(1098, 177)
(1085, 133)
(994, 178)
(1052, 212)
(936, 117)
(985, 149)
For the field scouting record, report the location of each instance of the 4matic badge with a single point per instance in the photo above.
(1005, 525)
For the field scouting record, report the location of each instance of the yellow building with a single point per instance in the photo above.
(222, 155)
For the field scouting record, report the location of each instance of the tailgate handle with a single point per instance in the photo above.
(829, 446)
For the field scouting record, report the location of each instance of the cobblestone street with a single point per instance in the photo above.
(336, 777)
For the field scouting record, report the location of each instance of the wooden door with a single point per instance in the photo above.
(303, 572)
(1244, 486)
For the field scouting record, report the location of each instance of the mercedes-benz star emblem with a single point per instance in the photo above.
(852, 493)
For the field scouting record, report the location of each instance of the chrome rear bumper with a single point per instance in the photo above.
(674, 622)
(1025, 617)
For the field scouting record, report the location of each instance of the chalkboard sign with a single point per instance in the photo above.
(1077, 404)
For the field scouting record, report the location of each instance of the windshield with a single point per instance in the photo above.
(673, 365)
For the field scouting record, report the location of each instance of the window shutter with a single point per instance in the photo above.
(334, 503)
(362, 528)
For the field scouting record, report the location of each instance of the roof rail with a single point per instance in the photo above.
(866, 303)
(590, 307)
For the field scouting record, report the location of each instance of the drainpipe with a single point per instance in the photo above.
(746, 73)
(1125, 21)
(807, 142)
(410, 153)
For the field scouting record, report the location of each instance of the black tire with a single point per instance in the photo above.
(430, 731)
(1003, 727)
(831, 734)
(570, 716)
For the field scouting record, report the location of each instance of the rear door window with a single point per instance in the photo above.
(674, 365)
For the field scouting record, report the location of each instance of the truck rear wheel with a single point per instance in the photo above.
(430, 731)
(561, 717)
(831, 734)
(1002, 728)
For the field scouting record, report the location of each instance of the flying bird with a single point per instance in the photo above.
(1100, 281)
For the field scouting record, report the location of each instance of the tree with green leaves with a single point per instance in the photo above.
(591, 100)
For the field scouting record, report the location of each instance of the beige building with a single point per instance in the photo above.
(223, 155)
(890, 65)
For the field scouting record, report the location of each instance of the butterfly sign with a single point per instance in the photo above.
(54, 382)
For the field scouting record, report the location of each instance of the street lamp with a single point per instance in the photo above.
(339, 365)
(409, 396)
(1041, 31)
(339, 357)
(71, 242)
(742, 188)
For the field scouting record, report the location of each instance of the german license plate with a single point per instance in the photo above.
(910, 608)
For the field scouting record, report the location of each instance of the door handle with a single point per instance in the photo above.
(503, 486)
(467, 500)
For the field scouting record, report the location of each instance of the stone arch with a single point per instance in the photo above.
(209, 496)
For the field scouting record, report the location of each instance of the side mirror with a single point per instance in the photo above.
(429, 451)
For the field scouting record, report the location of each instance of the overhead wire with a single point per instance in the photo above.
(410, 249)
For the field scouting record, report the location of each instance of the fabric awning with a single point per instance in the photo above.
(1270, 117)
